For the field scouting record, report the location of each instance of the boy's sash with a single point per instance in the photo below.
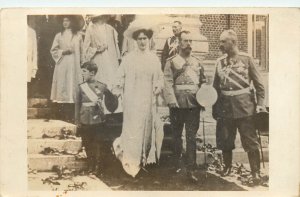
(89, 92)
(94, 98)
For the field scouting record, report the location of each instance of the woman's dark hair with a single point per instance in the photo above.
(90, 66)
(74, 24)
(147, 32)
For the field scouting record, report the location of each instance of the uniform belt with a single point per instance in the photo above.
(235, 92)
(186, 87)
(89, 104)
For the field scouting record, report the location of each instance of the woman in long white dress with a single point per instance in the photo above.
(141, 80)
(66, 51)
(101, 47)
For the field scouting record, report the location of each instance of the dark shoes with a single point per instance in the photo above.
(255, 179)
(254, 161)
(227, 159)
(226, 171)
(192, 177)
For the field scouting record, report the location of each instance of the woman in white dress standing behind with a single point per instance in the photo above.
(101, 47)
(66, 51)
(141, 79)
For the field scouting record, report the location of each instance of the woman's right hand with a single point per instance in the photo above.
(67, 52)
(117, 91)
(102, 48)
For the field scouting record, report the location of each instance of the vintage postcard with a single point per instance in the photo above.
(196, 100)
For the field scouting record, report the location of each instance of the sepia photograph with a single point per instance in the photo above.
(199, 101)
(148, 102)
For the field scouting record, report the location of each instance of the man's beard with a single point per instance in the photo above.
(222, 49)
(187, 50)
(226, 51)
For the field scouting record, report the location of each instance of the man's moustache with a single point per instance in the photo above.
(188, 48)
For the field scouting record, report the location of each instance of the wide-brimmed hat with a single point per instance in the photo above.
(140, 24)
(95, 18)
(78, 20)
(111, 102)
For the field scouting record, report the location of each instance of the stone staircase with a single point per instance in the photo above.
(38, 108)
(40, 125)
(43, 132)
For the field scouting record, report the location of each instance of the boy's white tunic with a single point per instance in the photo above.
(67, 72)
(142, 133)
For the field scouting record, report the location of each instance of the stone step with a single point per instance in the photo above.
(37, 103)
(35, 183)
(239, 155)
(37, 127)
(37, 145)
(34, 113)
(42, 162)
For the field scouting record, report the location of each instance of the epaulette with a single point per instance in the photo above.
(170, 58)
(197, 58)
(102, 83)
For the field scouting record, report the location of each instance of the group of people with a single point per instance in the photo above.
(92, 73)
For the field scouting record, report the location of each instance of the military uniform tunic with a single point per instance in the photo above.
(236, 102)
(183, 78)
(90, 115)
(170, 49)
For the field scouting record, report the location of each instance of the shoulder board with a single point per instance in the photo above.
(171, 57)
(222, 57)
(197, 58)
(101, 83)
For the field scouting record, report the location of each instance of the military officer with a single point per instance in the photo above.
(236, 104)
(171, 45)
(183, 77)
(93, 101)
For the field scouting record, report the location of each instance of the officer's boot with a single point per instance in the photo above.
(227, 158)
(254, 161)
(90, 164)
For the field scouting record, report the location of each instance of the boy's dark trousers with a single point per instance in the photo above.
(93, 139)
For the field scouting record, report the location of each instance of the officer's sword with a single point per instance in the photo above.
(205, 163)
(261, 150)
